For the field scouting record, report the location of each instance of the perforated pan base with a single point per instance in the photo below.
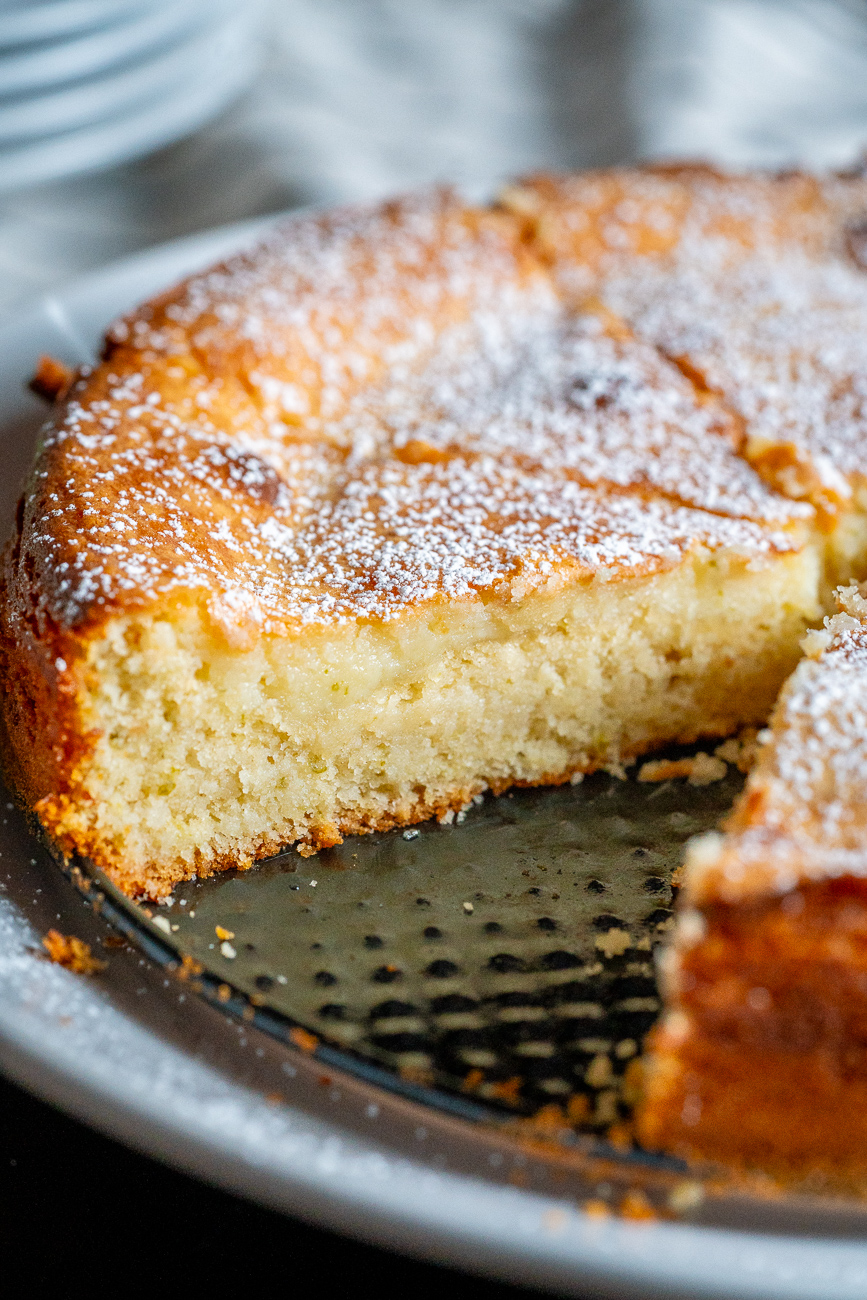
(503, 962)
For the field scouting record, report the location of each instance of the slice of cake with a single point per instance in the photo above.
(367, 520)
(756, 287)
(761, 1058)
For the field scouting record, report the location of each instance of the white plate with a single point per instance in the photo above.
(146, 127)
(24, 22)
(91, 54)
(135, 1056)
(200, 56)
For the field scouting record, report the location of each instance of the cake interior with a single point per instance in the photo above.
(201, 745)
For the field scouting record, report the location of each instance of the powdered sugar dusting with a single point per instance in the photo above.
(804, 813)
(564, 396)
(371, 410)
(758, 281)
(819, 760)
(785, 340)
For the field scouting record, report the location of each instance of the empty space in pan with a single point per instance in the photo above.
(507, 957)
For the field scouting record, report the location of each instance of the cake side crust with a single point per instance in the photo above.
(763, 1063)
(761, 1058)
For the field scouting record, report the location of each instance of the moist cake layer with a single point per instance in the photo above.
(204, 754)
(363, 522)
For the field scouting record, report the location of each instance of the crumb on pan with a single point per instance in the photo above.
(740, 750)
(699, 769)
(72, 953)
(52, 379)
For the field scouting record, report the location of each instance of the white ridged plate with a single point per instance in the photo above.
(200, 57)
(53, 62)
(219, 68)
(25, 23)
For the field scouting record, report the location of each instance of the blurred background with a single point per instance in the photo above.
(127, 122)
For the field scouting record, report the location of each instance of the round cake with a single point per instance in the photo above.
(411, 501)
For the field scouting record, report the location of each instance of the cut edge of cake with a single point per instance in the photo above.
(180, 753)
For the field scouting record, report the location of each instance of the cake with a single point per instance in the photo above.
(362, 523)
(419, 499)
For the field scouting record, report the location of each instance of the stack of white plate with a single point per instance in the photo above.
(87, 83)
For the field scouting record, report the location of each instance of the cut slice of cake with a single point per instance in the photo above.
(761, 1058)
(363, 522)
(756, 286)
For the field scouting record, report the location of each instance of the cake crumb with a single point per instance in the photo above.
(635, 1205)
(52, 379)
(614, 942)
(578, 1108)
(222, 933)
(699, 769)
(72, 953)
(741, 750)
(303, 1038)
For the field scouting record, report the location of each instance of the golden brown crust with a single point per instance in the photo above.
(44, 740)
(262, 392)
(595, 222)
(762, 1057)
(764, 1062)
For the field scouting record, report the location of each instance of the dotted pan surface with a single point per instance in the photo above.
(508, 957)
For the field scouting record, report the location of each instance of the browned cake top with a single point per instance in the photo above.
(372, 409)
(756, 285)
(804, 815)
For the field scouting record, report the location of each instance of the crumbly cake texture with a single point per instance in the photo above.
(761, 1057)
(363, 522)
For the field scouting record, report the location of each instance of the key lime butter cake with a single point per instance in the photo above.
(366, 521)
(411, 501)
